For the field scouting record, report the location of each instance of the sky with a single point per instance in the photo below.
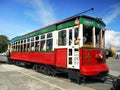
(18, 17)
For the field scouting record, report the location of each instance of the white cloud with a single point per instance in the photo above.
(41, 11)
(112, 38)
(114, 12)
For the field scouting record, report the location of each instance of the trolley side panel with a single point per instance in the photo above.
(36, 57)
(93, 62)
(61, 57)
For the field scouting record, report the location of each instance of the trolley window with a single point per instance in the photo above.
(62, 38)
(49, 35)
(43, 43)
(76, 36)
(43, 46)
(87, 35)
(32, 39)
(21, 42)
(37, 38)
(37, 43)
(28, 40)
(24, 41)
(97, 37)
(49, 44)
(42, 36)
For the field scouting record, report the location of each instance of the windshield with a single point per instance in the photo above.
(93, 36)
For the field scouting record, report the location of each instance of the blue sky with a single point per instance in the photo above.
(18, 17)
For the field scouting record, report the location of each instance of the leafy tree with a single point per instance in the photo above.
(3, 43)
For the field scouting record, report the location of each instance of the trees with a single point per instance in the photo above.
(3, 43)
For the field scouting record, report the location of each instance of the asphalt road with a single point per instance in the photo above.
(18, 78)
(114, 64)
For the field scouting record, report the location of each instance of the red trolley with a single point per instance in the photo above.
(75, 46)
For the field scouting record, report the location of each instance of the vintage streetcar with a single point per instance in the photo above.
(75, 45)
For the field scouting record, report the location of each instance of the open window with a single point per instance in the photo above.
(32, 44)
(18, 46)
(49, 43)
(28, 45)
(37, 43)
(93, 36)
(100, 38)
(43, 43)
(24, 45)
(87, 35)
(97, 37)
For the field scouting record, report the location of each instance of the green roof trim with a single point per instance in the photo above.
(66, 24)
(41, 31)
(91, 22)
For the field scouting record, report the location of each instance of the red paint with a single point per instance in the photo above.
(57, 58)
(91, 63)
(93, 70)
(37, 57)
(61, 58)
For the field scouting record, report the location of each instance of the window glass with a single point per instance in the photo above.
(76, 37)
(49, 35)
(103, 38)
(32, 46)
(87, 35)
(97, 37)
(42, 36)
(62, 38)
(76, 32)
(18, 48)
(21, 48)
(24, 41)
(19, 42)
(14, 49)
(32, 39)
(43, 45)
(28, 40)
(15, 46)
(28, 47)
(70, 60)
(70, 37)
(49, 44)
(37, 38)
(24, 47)
(37, 46)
